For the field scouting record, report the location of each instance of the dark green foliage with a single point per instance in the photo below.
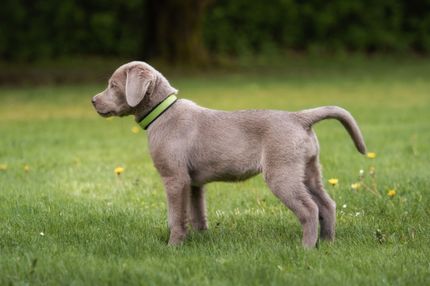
(366, 26)
(49, 29)
(42, 29)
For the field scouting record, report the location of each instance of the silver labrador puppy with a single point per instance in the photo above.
(192, 145)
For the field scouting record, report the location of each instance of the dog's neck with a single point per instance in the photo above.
(161, 91)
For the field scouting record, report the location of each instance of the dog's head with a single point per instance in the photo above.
(126, 89)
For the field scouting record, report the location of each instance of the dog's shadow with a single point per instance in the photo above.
(262, 230)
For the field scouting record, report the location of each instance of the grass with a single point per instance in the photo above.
(71, 220)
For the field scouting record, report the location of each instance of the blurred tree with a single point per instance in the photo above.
(176, 30)
(187, 31)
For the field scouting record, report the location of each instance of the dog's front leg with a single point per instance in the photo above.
(197, 209)
(178, 191)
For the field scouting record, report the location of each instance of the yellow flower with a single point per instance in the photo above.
(355, 186)
(333, 181)
(26, 168)
(135, 129)
(109, 118)
(3, 167)
(119, 170)
(391, 193)
(371, 155)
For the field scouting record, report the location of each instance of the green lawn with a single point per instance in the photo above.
(70, 220)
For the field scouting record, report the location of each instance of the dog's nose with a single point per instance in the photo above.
(93, 100)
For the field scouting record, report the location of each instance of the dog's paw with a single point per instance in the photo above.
(176, 239)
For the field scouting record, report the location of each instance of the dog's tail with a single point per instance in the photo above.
(309, 117)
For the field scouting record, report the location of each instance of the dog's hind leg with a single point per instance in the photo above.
(286, 183)
(197, 209)
(326, 206)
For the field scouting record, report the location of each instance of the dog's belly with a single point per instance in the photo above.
(201, 178)
(224, 171)
(228, 154)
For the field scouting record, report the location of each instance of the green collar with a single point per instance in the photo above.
(157, 111)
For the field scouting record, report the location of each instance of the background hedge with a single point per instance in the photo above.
(42, 29)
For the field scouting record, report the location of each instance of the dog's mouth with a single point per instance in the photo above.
(105, 114)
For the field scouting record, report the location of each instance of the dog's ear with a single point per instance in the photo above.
(140, 81)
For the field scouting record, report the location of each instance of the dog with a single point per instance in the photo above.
(191, 146)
